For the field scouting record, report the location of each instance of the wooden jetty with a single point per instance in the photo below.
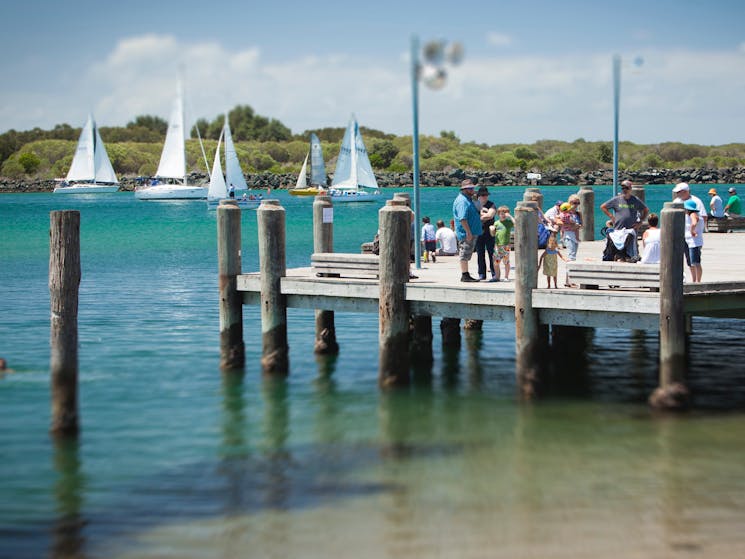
(406, 306)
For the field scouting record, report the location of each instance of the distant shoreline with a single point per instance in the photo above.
(567, 177)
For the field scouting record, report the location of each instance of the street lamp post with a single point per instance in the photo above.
(616, 103)
(432, 73)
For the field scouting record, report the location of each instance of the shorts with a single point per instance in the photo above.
(693, 256)
(430, 246)
(465, 249)
(501, 252)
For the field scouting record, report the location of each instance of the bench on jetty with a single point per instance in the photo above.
(340, 264)
(614, 274)
(726, 224)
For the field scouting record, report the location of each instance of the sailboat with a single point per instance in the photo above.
(317, 171)
(354, 180)
(218, 188)
(91, 170)
(172, 166)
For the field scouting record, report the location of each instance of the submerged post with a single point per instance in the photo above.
(232, 349)
(527, 335)
(395, 231)
(323, 241)
(587, 209)
(272, 267)
(672, 392)
(64, 283)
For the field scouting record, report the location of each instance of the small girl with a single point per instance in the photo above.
(549, 260)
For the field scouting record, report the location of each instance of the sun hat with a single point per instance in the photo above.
(712, 191)
(467, 183)
(690, 205)
(680, 187)
(483, 191)
(566, 206)
(732, 190)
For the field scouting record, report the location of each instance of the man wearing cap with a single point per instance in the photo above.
(734, 206)
(467, 226)
(485, 241)
(683, 193)
(694, 238)
(628, 213)
(715, 204)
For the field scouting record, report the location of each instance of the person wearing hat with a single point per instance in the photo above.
(734, 206)
(683, 193)
(716, 208)
(628, 213)
(467, 226)
(485, 241)
(694, 238)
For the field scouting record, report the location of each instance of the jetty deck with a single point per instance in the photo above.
(437, 291)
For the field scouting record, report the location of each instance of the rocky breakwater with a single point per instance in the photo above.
(566, 177)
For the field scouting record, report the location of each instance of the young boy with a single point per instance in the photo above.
(502, 231)
(429, 239)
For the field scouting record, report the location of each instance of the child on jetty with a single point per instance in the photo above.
(550, 261)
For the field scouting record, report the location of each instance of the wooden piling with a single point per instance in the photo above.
(272, 267)
(323, 241)
(232, 349)
(639, 192)
(450, 332)
(64, 283)
(672, 392)
(421, 344)
(395, 231)
(533, 194)
(587, 209)
(527, 335)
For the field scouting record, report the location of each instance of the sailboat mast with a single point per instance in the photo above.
(353, 148)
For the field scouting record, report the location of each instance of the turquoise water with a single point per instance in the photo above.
(175, 460)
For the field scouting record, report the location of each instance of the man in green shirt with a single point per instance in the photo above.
(734, 206)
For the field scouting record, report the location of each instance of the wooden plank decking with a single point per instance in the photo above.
(438, 292)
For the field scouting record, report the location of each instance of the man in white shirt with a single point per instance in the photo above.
(715, 204)
(446, 239)
(683, 192)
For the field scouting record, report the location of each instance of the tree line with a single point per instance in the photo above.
(265, 144)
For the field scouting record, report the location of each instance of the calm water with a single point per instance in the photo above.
(175, 460)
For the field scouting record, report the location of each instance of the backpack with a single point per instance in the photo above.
(543, 234)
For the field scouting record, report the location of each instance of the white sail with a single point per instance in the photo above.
(353, 169)
(91, 162)
(317, 166)
(302, 181)
(233, 171)
(173, 159)
(217, 189)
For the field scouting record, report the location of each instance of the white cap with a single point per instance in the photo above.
(680, 187)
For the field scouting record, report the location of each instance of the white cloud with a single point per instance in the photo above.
(497, 39)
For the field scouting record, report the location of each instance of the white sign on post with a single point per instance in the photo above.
(328, 215)
(533, 176)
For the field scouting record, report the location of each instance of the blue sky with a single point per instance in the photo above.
(533, 69)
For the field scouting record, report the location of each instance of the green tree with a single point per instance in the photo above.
(605, 153)
(29, 161)
(383, 151)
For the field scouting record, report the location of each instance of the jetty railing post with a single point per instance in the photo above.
(323, 241)
(587, 209)
(64, 284)
(672, 392)
(395, 232)
(272, 267)
(527, 334)
(533, 194)
(232, 348)
(639, 192)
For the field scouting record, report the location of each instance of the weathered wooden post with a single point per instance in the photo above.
(64, 282)
(272, 267)
(587, 209)
(323, 241)
(395, 230)
(421, 344)
(527, 335)
(450, 331)
(639, 192)
(533, 194)
(232, 349)
(672, 392)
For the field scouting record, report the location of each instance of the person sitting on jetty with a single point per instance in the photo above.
(429, 240)
(651, 241)
(628, 214)
(447, 240)
(716, 206)
(734, 206)
(467, 226)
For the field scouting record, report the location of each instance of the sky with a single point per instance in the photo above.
(532, 70)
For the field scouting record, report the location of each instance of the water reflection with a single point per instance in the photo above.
(275, 432)
(68, 537)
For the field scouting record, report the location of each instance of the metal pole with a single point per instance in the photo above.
(616, 103)
(415, 146)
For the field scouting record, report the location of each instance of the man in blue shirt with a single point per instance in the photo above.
(467, 226)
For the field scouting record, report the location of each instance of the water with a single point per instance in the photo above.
(175, 460)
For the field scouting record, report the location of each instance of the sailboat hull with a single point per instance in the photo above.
(350, 196)
(310, 191)
(83, 188)
(171, 192)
